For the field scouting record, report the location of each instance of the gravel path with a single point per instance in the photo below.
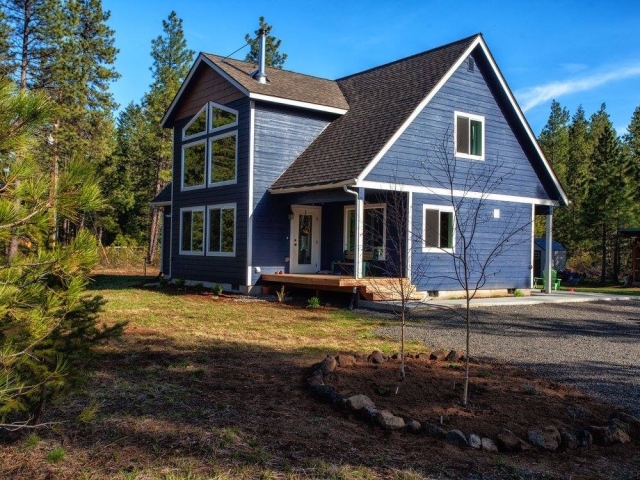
(593, 345)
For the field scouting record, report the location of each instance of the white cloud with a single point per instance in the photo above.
(533, 96)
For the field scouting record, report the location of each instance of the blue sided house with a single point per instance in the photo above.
(284, 177)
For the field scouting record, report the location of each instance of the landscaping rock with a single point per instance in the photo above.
(433, 430)
(376, 357)
(389, 421)
(633, 424)
(413, 426)
(584, 438)
(610, 435)
(369, 413)
(328, 365)
(452, 356)
(547, 438)
(358, 402)
(509, 442)
(438, 355)
(316, 378)
(326, 393)
(489, 445)
(346, 360)
(475, 441)
(568, 441)
(457, 438)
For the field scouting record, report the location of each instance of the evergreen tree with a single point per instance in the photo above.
(273, 58)
(632, 151)
(171, 62)
(6, 57)
(47, 324)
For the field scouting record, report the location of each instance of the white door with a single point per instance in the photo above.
(305, 239)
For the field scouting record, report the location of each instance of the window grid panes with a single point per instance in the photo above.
(221, 230)
(438, 229)
(192, 231)
(223, 159)
(194, 160)
(469, 139)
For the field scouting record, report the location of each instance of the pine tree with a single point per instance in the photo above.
(6, 56)
(171, 62)
(47, 324)
(273, 58)
(632, 151)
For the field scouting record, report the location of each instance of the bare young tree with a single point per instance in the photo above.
(481, 232)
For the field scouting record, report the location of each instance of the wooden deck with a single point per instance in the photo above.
(369, 288)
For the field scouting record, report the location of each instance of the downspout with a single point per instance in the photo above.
(549, 252)
(357, 248)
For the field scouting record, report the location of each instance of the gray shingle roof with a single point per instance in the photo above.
(380, 100)
(283, 83)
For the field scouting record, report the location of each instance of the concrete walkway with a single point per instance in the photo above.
(534, 299)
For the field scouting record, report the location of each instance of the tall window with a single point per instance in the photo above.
(222, 159)
(469, 136)
(374, 230)
(222, 230)
(439, 228)
(192, 231)
(193, 165)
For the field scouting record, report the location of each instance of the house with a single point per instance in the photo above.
(558, 256)
(276, 171)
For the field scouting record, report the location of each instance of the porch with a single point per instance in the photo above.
(369, 288)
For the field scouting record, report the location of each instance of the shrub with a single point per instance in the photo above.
(217, 289)
(198, 287)
(281, 294)
(518, 293)
(314, 302)
(179, 283)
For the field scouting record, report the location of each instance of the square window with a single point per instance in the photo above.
(469, 136)
(193, 165)
(192, 231)
(439, 227)
(223, 156)
(222, 227)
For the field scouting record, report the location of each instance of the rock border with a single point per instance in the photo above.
(621, 427)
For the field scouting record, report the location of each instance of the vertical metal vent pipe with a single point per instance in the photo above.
(261, 75)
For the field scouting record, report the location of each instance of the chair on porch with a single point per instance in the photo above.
(555, 281)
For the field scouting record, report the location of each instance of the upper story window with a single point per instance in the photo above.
(197, 125)
(374, 231)
(221, 117)
(223, 154)
(469, 136)
(194, 161)
(439, 228)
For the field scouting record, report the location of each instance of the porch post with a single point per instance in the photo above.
(549, 252)
(357, 254)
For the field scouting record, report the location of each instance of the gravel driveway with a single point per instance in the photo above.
(593, 345)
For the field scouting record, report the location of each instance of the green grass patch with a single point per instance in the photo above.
(605, 289)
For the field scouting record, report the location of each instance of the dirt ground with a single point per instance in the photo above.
(157, 408)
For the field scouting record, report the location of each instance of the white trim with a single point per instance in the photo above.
(210, 141)
(316, 248)
(367, 206)
(221, 207)
(439, 209)
(417, 110)
(201, 59)
(444, 192)
(182, 169)
(409, 230)
(533, 244)
(252, 120)
(204, 221)
(522, 119)
(297, 103)
(312, 188)
(470, 116)
(210, 106)
(164, 203)
(186, 137)
(173, 214)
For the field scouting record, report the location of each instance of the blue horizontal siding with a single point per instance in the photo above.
(281, 135)
(510, 269)
(229, 270)
(416, 157)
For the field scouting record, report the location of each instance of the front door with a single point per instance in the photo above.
(305, 239)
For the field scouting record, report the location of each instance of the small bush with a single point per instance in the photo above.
(198, 287)
(179, 282)
(518, 293)
(56, 455)
(281, 294)
(163, 282)
(217, 289)
(314, 302)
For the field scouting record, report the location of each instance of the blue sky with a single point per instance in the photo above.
(578, 52)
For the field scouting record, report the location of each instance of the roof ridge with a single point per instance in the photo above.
(384, 65)
(223, 59)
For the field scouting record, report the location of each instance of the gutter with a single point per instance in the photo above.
(328, 186)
